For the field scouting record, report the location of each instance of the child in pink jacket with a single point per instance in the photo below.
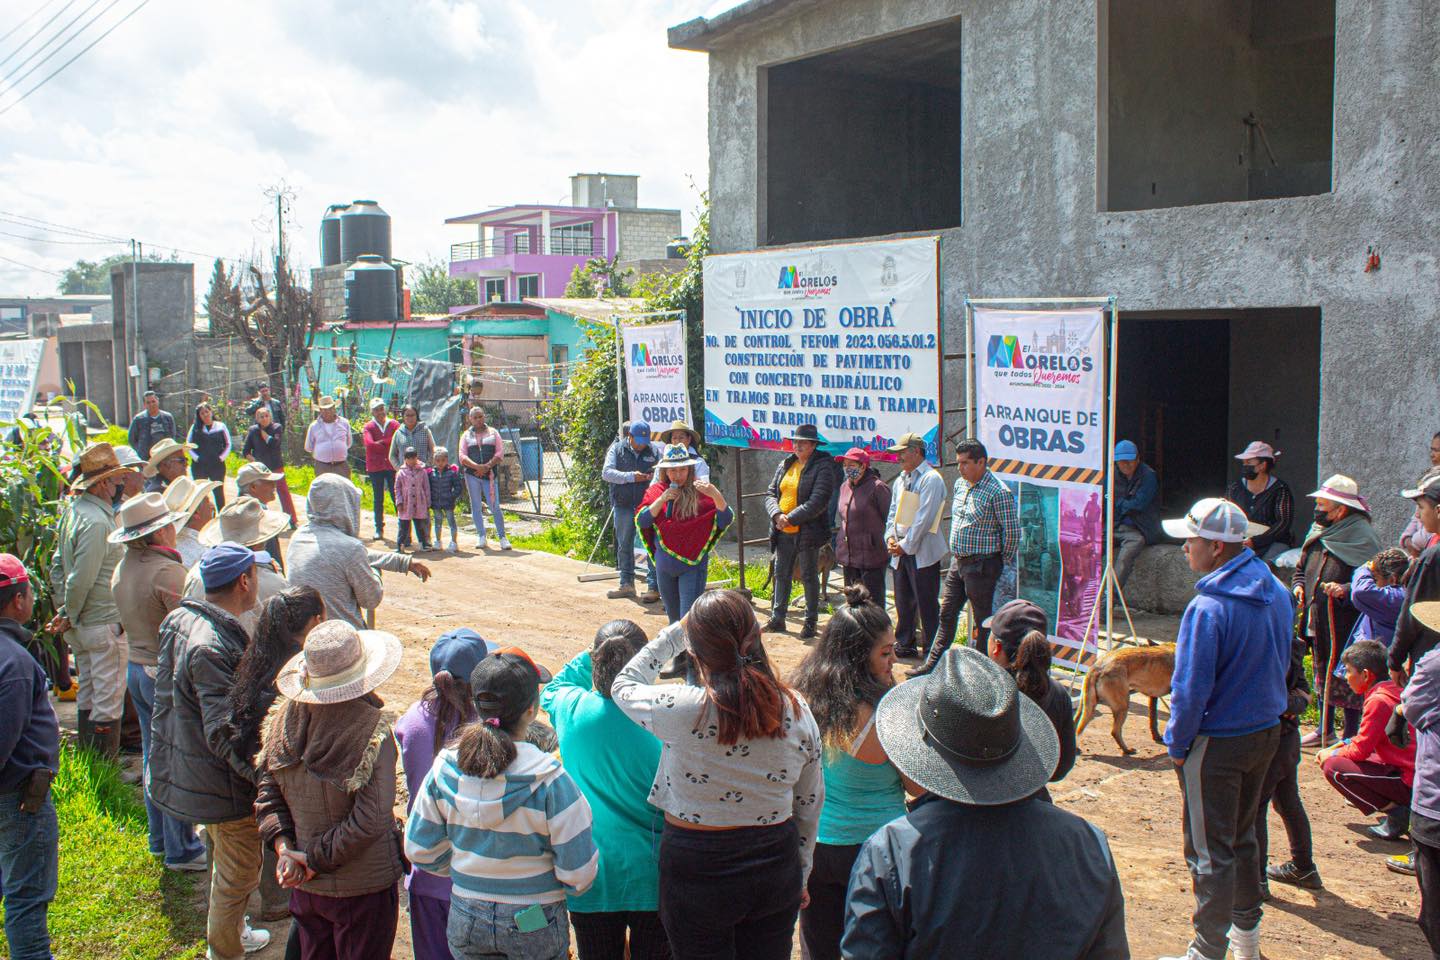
(412, 501)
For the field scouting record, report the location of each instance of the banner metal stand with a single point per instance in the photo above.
(1108, 305)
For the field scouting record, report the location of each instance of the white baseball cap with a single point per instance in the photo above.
(1214, 519)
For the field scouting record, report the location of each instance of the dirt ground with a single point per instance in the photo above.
(535, 601)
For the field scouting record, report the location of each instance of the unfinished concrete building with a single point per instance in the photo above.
(1226, 168)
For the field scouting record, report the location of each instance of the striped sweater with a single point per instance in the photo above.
(521, 837)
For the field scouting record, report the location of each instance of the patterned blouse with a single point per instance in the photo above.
(700, 780)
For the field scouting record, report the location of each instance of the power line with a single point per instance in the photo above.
(55, 36)
(37, 33)
(80, 243)
(136, 9)
(38, 10)
(23, 220)
(31, 266)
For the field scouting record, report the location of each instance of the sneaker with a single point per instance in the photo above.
(1295, 875)
(480, 543)
(1403, 864)
(650, 596)
(1191, 954)
(252, 939)
(454, 547)
(1311, 739)
(807, 632)
(774, 625)
(504, 544)
(198, 864)
(620, 593)
(1245, 944)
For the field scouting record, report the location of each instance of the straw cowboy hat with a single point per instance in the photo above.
(97, 462)
(141, 516)
(244, 521)
(326, 402)
(966, 733)
(339, 663)
(664, 436)
(1342, 489)
(163, 451)
(677, 455)
(185, 494)
(1427, 612)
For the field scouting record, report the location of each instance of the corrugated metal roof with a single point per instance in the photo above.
(591, 308)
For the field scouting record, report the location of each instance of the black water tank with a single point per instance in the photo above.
(330, 235)
(370, 290)
(364, 228)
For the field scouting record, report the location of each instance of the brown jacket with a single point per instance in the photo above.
(861, 514)
(327, 785)
(148, 583)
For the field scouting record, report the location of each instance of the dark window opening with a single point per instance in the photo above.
(1206, 101)
(863, 141)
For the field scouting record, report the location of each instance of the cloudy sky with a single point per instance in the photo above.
(171, 129)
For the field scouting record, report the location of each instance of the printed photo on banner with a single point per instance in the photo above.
(843, 337)
(19, 374)
(655, 380)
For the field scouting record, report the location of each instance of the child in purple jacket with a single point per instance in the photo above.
(412, 501)
(446, 485)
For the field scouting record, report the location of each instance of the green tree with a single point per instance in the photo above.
(433, 290)
(583, 417)
(600, 278)
(92, 276)
(217, 301)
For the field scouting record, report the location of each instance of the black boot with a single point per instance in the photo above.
(1395, 825)
(107, 738)
(83, 740)
(807, 632)
(776, 624)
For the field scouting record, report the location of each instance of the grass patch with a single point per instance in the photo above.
(114, 899)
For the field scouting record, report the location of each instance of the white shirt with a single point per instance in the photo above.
(328, 442)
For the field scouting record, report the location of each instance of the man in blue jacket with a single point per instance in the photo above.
(1137, 508)
(1226, 698)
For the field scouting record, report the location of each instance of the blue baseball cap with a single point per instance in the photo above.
(640, 430)
(458, 651)
(223, 563)
(1125, 450)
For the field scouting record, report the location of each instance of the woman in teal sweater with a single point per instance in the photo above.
(613, 761)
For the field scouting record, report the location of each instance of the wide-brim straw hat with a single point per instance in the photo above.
(141, 516)
(339, 663)
(185, 494)
(677, 425)
(676, 456)
(1342, 489)
(965, 733)
(97, 462)
(163, 451)
(244, 521)
(326, 402)
(1427, 612)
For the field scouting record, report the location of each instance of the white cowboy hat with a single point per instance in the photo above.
(244, 521)
(163, 451)
(1342, 489)
(676, 456)
(339, 663)
(185, 494)
(326, 402)
(1427, 612)
(141, 516)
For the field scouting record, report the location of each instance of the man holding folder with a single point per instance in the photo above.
(912, 534)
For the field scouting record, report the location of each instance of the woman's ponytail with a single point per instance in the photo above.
(1030, 663)
(486, 748)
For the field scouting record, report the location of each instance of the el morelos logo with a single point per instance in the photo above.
(640, 356)
(1004, 352)
(1061, 354)
(812, 279)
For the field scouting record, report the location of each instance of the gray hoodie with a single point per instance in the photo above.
(325, 552)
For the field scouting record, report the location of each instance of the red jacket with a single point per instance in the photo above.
(377, 444)
(1370, 742)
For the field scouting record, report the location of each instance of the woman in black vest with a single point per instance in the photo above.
(212, 445)
(798, 502)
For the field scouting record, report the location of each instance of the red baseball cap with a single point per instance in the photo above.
(12, 571)
(541, 674)
(858, 455)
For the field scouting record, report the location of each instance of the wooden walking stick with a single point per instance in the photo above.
(1329, 672)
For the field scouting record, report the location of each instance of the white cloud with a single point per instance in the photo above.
(171, 129)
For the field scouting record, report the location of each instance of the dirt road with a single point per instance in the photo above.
(534, 600)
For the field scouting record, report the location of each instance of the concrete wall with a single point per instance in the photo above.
(1033, 225)
(643, 235)
(224, 368)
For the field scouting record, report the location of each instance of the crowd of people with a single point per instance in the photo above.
(714, 816)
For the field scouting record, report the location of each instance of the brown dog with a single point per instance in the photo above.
(824, 563)
(1146, 669)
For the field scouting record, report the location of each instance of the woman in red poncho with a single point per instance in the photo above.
(681, 519)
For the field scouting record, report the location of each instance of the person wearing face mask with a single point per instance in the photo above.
(1341, 539)
(861, 512)
(1266, 500)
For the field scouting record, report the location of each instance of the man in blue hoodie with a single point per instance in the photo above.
(1226, 698)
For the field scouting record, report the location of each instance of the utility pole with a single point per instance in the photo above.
(132, 332)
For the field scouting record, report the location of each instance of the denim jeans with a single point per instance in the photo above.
(442, 515)
(483, 929)
(380, 481)
(485, 493)
(625, 549)
(29, 868)
(173, 839)
(678, 590)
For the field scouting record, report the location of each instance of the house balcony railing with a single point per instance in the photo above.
(563, 245)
